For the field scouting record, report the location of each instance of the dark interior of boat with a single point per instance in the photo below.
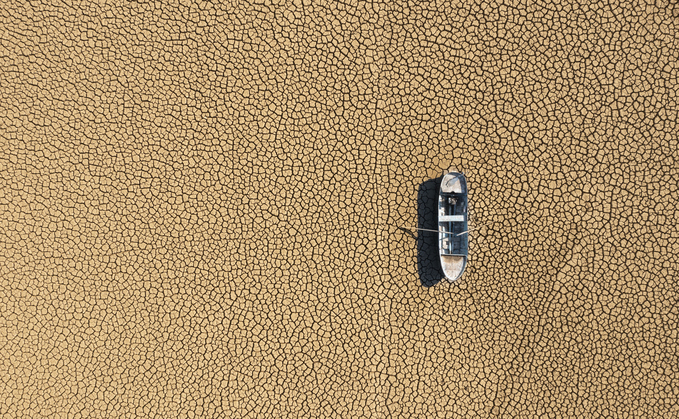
(453, 243)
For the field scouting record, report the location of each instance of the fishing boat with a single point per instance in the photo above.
(452, 218)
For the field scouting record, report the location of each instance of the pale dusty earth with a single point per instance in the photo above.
(199, 209)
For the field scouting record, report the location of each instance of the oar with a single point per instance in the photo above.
(471, 229)
(436, 231)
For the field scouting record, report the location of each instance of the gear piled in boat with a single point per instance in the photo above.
(452, 218)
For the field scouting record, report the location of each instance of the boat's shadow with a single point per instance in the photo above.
(428, 263)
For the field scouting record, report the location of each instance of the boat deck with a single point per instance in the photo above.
(452, 222)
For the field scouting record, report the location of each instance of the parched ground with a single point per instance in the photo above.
(199, 209)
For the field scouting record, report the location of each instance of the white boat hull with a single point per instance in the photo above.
(452, 225)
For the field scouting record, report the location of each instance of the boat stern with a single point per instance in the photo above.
(453, 266)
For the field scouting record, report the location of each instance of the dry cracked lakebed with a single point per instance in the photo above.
(200, 207)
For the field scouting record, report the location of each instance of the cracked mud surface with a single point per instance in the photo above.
(198, 210)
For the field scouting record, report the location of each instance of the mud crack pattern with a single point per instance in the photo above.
(199, 206)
